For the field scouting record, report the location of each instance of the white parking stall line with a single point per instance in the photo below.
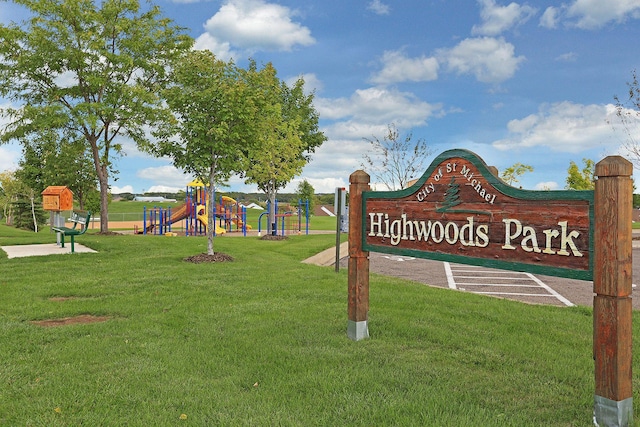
(557, 295)
(450, 280)
(463, 278)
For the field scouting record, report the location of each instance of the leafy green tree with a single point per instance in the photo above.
(287, 132)
(51, 159)
(212, 123)
(511, 175)
(305, 191)
(11, 190)
(581, 179)
(20, 203)
(27, 212)
(394, 161)
(92, 70)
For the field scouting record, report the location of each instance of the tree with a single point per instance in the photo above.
(27, 214)
(581, 179)
(287, 133)
(92, 70)
(305, 191)
(213, 111)
(11, 190)
(511, 175)
(395, 160)
(628, 111)
(51, 159)
(19, 202)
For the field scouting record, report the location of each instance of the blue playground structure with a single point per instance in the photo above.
(287, 220)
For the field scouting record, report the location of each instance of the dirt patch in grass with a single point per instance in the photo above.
(216, 257)
(82, 319)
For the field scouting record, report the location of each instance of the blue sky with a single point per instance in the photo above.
(530, 82)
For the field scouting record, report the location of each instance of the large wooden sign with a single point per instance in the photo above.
(459, 211)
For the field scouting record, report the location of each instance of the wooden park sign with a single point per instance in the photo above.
(460, 211)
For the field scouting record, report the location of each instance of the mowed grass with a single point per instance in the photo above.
(262, 341)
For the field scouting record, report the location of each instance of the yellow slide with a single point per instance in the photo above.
(203, 217)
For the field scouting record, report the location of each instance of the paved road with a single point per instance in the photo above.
(528, 288)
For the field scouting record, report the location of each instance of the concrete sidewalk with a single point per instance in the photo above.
(20, 251)
(327, 257)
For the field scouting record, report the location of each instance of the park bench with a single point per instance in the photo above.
(80, 221)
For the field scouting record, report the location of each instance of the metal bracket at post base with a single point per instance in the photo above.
(357, 330)
(611, 413)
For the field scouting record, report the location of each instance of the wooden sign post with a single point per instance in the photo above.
(612, 310)
(357, 328)
(459, 211)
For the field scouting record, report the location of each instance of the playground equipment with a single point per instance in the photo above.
(288, 220)
(229, 215)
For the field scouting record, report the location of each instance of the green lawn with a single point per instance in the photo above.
(262, 341)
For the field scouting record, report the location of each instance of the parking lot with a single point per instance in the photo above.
(526, 287)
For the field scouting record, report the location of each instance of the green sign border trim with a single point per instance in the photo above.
(503, 188)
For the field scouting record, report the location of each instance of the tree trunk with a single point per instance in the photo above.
(271, 195)
(104, 203)
(103, 180)
(211, 219)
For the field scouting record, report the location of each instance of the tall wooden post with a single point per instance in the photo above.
(612, 310)
(358, 310)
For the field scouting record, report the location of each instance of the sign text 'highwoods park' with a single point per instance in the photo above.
(460, 212)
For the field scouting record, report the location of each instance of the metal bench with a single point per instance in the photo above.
(80, 221)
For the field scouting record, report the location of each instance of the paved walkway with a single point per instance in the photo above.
(19, 251)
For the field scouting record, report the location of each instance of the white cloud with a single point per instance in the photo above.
(590, 14)
(490, 60)
(311, 82)
(547, 186)
(363, 115)
(167, 176)
(253, 25)
(593, 14)
(119, 190)
(222, 50)
(568, 57)
(378, 106)
(550, 18)
(498, 19)
(164, 189)
(378, 7)
(397, 67)
(320, 185)
(562, 127)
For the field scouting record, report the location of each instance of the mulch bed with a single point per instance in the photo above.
(216, 257)
(272, 237)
